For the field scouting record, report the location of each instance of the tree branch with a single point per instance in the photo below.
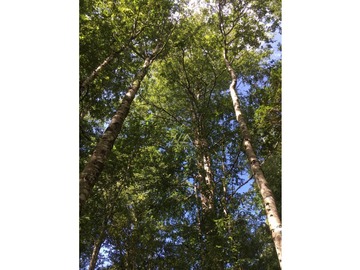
(240, 186)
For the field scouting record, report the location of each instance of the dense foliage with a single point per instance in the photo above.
(176, 191)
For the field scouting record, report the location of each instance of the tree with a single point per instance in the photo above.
(149, 48)
(149, 194)
(227, 36)
(170, 186)
(93, 168)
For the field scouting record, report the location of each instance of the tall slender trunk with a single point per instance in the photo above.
(95, 165)
(84, 84)
(96, 250)
(266, 193)
(97, 70)
(208, 213)
(205, 175)
(224, 183)
(205, 178)
(198, 222)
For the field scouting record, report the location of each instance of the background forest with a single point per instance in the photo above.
(172, 162)
(39, 105)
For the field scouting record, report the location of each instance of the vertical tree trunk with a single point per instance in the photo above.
(208, 213)
(267, 196)
(95, 165)
(96, 249)
(224, 184)
(205, 178)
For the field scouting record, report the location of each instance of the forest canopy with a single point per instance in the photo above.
(180, 134)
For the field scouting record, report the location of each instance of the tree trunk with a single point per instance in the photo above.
(205, 179)
(96, 71)
(224, 184)
(96, 249)
(267, 196)
(203, 161)
(208, 214)
(95, 165)
(205, 176)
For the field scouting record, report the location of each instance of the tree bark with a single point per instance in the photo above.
(205, 179)
(96, 250)
(266, 193)
(205, 176)
(203, 161)
(208, 214)
(108, 59)
(95, 165)
(97, 70)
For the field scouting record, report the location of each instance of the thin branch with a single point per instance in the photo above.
(160, 108)
(132, 47)
(240, 186)
(228, 172)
